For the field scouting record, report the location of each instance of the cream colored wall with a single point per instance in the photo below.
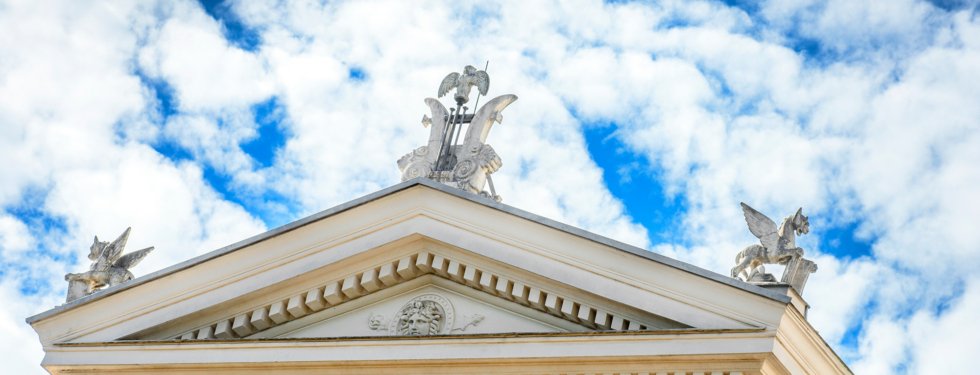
(584, 353)
(404, 223)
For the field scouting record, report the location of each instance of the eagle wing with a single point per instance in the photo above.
(482, 82)
(448, 83)
(761, 226)
(111, 252)
(132, 259)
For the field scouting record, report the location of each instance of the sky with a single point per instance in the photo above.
(203, 123)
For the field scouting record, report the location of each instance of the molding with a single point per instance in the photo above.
(339, 295)
(413, 286)
(293, 263)
(676, 352)
(384, 229)
(395, 189)
(702, 304)
(540, 336)
(799, 345)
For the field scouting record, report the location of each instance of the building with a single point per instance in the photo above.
(427, 277)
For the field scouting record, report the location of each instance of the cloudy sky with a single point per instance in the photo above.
(203, 123)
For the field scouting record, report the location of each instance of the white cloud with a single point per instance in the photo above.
(207, 73)
(877, 132)
(72, 113)
(935, 337)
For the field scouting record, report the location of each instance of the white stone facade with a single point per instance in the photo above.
(422, 278)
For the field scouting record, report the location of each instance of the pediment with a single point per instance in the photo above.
(471, 294)
(437, 307)
(327, 275)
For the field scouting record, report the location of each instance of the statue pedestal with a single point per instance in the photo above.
(77, 289)
(784, 288)
(797, 271)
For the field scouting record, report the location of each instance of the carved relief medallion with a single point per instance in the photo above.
(425, 315)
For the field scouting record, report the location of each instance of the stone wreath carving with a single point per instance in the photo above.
(425, 315)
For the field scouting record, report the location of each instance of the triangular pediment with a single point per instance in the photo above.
(467, 292)
(328, 275)
(437, 307)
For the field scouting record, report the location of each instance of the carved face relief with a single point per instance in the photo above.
(425, 315)
(419, 325)
(423, 318)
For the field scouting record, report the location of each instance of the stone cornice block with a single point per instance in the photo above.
(388, 274)
(261, 320)
(488, 282)
(407, 269)
(223, 330)
(314, 300)
(278, 313)
(472, 277)
(456, 271)
(439, 265)
(370, 281)
(297, 306)
(242, 325)
(334, 294)
(423, 262)
(206, 333)
(503, 288)
(352, 287)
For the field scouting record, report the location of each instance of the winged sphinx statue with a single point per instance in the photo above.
(109, 267)
(778, 245)
(462, 163)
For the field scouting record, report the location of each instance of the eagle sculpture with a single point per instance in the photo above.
(109, 267)
(463, 83)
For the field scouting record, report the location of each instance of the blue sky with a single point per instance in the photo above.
(202, 123)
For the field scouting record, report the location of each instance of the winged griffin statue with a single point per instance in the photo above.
(778, 245)
(109, 267)
(465, 164)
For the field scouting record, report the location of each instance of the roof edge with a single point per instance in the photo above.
(394, 189)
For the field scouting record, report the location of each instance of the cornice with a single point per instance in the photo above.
(643, 253)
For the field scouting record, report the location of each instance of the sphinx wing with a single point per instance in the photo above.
(761, 226)
(482, 82)
(130, 260)
(448, 83)
(111, 252)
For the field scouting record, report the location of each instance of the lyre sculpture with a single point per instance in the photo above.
(468, 163)
(109, 267)
(778, 246)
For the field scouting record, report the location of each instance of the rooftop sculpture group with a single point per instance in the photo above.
(109, 267)
(778, 245)
(465, 164)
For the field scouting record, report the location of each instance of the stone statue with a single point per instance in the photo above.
(463, 83)
(422, 318)
(465, 163)
(109, 267)
(778, 245)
